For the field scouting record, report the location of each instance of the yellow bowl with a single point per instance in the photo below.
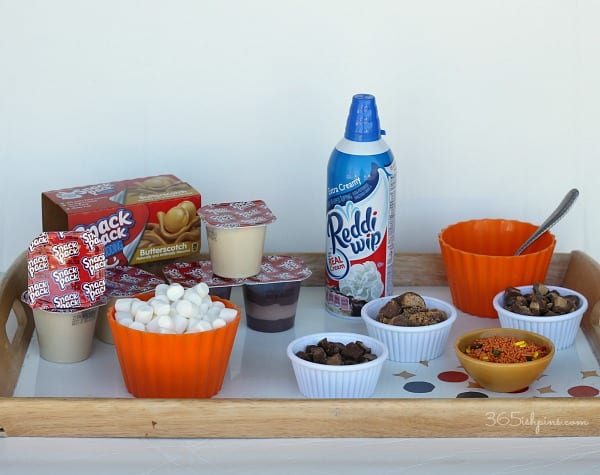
(503, 377)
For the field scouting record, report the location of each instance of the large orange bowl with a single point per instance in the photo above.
(191, 365)
(479, 260)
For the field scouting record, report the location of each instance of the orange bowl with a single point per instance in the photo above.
(479, 260)
(191, 365)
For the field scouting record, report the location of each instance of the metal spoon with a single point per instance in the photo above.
(556, 215)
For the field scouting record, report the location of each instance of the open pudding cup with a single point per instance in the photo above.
(236, 236)
(271, 308)
(503, 377)
(237, 252)
(271, 297)
(561, 329)
(317, 380)
(410, 344)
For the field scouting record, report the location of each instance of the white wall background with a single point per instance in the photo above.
(492, 108)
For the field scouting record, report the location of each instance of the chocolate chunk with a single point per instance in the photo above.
(409, 310)
(336, 353)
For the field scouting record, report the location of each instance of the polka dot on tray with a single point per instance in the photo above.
(419, 387)
(471, 395)
(583, 391)
(453, 376)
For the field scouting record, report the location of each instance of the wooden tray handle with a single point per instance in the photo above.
(12, 353)
(583, 275)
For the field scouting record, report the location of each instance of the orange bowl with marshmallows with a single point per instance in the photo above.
(187, 365)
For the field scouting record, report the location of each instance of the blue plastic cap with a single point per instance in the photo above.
(363, 122)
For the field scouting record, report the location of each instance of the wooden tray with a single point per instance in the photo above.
(272, 418)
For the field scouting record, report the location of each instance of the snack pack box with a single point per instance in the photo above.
(138, 220)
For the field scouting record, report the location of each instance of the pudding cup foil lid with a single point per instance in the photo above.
(65, 270)
(127, 281)
(189, 274)
(276, 269)
(237, 214)
(273, 269)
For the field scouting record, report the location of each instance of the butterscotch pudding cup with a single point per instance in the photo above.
(236, 252)
(236, 236)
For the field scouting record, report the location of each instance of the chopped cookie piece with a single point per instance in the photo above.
(409, 310)
(541, 302)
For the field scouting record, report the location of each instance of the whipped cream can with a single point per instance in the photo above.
(361, 198)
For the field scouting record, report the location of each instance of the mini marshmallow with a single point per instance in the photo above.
(161, 289)
(153, 326)
(127, 321)
(166, 322)
(185, 308)
(200, 326)
(218, 304)
(203, 309)
(192, 296)
(124, 305)
(201, 289)
(143, 314)
(218, 323)
(138, 326)
(119, 315)
(175, 292)
(228, 314)
(135, 304)
(160, 306)
(161, 297)
(181, 323)
(213, 312)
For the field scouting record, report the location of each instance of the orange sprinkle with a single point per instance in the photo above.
(503, 349)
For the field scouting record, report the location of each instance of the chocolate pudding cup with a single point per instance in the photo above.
(224, 292)
(271, 307)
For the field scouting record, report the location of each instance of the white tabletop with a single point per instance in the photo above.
(37, 456)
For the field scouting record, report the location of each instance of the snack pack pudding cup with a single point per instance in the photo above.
(65, 336)
(237, 252)
(221, 292)
(65, 287)
(271, 308)
(102, 331)
(236, 236)
(271, 296)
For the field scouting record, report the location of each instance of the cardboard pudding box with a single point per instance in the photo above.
(139, 220)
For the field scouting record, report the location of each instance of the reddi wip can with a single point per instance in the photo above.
(361, 195)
